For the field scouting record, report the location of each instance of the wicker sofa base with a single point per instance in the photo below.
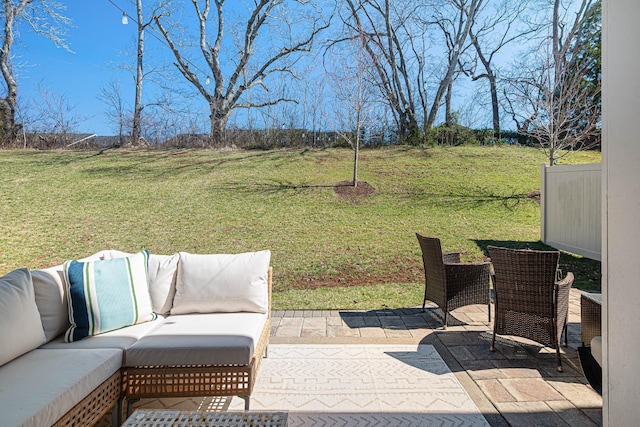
(93, 407)
(167, 381)
(590, 318)
(195, 381)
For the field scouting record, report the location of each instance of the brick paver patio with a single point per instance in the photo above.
(516, 385)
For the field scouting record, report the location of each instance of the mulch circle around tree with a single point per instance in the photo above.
(355, 194)
(534, 195)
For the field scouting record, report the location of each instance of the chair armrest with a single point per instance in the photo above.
(451, 257)
(562, 289)
(566, 283)
(561, 303)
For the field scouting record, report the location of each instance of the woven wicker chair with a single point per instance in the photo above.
(530, 300)
(449, 283)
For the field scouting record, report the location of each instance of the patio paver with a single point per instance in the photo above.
(515, 385)
(530, 389)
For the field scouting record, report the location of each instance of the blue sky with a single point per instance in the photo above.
(97, 38)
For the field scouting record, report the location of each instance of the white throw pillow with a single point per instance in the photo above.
(51, 297)
(162, 278)
(51, 300)
(162, 281)
(20, 326)
(113, 253)
(222, 283)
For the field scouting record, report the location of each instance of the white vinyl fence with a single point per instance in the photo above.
(570, 205)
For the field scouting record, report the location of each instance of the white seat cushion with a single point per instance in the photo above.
(118, 339)
(43, 385)
(199, 339)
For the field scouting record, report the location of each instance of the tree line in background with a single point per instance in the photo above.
(322, 73)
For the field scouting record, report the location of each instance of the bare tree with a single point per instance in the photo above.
(137, 65)
(111, 95)
(455, 20)
(172, 118)
(292, 26)
(140, 74)
(353, 90)
(399, 36)
(494, 29)
(56, 119)
(548, 99)
(315, 90)
(42, 16)
(386, 31)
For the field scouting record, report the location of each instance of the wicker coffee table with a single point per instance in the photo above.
(174, 418)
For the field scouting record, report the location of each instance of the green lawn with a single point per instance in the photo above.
(327, 252)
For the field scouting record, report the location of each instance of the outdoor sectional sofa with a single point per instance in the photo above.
(80, 339)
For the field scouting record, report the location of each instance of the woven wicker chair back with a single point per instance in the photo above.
(435, 280)
(524, 293)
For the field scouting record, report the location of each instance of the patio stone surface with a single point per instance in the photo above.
(531, 414)
(570, 414)
(530, 389)
(495, 391)
(516, 385)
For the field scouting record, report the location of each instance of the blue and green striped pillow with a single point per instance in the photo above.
(106, 295)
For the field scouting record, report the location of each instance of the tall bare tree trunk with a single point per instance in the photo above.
(357, 147)
(43, 17)
(558, 71)
(218, 125)
(494, 106)
(465, 21)
(137, 109)
(493, 86)
(447, 104)
(490, 34)
(8, 103)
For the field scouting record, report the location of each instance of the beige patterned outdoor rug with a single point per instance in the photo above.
(362, 385)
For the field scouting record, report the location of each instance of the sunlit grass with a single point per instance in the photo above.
(57, 205)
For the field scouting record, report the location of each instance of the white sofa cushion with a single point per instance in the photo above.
(222, 283)
(43, 385)
(51, 297)
(162, 278)
(106, 295)
(199, 339)
(118, 339)
(20, 325)
(162, 281)
(51, 300)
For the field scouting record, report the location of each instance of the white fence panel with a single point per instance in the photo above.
(570, 204)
